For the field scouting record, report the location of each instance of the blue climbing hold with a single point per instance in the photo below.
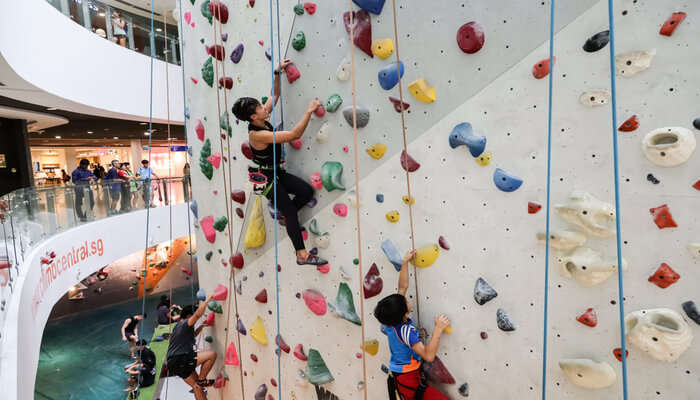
(392, 253)
(201, 295)
(158, 339)
(505, 181)
(193, 207)
(463, 135)
(389, 75)
(373, 6)
(380, 198)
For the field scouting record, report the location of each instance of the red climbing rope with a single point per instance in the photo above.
(405, 148)
(357, 198)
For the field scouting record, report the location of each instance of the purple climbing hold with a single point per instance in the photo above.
(389, 75)
(470, 37)
(373, 6)
(241, 328)
(692, 311)
(261, 392)
(312, 203)
(237, 53)
(224, 36)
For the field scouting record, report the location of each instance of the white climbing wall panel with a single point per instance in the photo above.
(490, 232)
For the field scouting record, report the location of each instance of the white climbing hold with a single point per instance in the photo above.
(669, 146)
(633, 62)
(587, 267)
(322, 241)
(694, 249)
(351, 198)
(660, 332)
(323, 133)
(343, 72)
(587, 373)
(563, 240)
(595, 217)
(595, 98)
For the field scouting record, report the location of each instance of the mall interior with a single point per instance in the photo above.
(359, 199)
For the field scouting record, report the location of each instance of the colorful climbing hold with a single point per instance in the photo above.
(380, 198)
(617, 352)
(373, 283)
(261, 391)
(664, 276)
(238, 196)
(389, 76)
(463, 135)
(408, 200)
(331, 176)
(470, 37)
(373, 6)
(224, 123)
(201, 295)
(340, 209)
(220, 223)
(315, 301)
(437, 372)
(299, 352)
(426, 256)
(596, 42)
(484, 159)
(392, 253)
(362, 31)
(398, 104)
(262, 296)
(255, 234)
(503, 321)
(215, 307)
(316, 370)
(541, 68)
(484, 335)
(383, 48)
(240, 327)
(533, 208)
(316, 180)
(483, 292)
(371, 346)
(408, 163)
(224, 36)
(296, 144)
(237, 260)
(505, 181)
(292, 73)
(672, 23)
(199, 130)
(219, 11)
(464, 389)
(208, 72)
(231, 355)
(210, 319)
(299, 41)
(237, 53)
(310, 7)
(299, 9)
(207, 225)
(333, 102)
(344, 304)
(226, 82)
(361, 113)
(279, 341)
(422, 92)
(204, 164)
(205, 11)
(589, 318)
(257, 331)
(245, 149)
(662, 217)
(376, 151)
(393, 216)
(443, 243)
(691, 311)
(630, 125)
(220, 293)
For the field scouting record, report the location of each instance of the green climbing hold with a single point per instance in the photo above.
(215, 307)
(204, 164)
(299, 41)
(345, 307)
(224, 123)
(220, 224)
(313, 227)
(299, 9)
(263, 100)
(316, 370)
(208, 255)
(208, 72)
(356, 261)
(331, 175)
(192, 1)
(333, 102)
(205, 11)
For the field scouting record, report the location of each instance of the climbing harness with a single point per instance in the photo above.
(259, 181)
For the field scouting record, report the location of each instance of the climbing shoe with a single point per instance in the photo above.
(311, 260)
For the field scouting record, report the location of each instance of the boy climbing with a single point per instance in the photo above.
(182, 360)
(260, 137)
(130, 331)
(407, 351)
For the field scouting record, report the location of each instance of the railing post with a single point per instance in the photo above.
(64, 8)
(87, 22)
(108, 22)
(130, 32)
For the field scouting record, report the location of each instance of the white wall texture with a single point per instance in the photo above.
(490, 232)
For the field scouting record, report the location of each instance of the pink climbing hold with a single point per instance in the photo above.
(207, 224)
(305, 235)
(310, 7)
(199, 129)
(220, 293)
(210, 320)
(470, 37)
(373, 283)
(443, 243)
(217, 51)
(541, 68)
(320, 111)
(262, 296)
(408, 163)
(232, 355)
(358, 355)
(194, 80)
(296, 144)
(315, 301)
(292, 73)
(188, 17)
(362, 31)
(316, 180)
(215, 159)
(324, 269)
(346, 149)
(245, 149)
(238, 196)
(186, 271)
(279, 340)
(340, 209)
(398, 104)
(299, 352)
(261, 43)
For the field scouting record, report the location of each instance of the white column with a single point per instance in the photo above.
(136, 156)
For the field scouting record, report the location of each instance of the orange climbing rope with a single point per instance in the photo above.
(405, 148)
(357, 198)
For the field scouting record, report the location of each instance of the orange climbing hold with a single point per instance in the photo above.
(589, 318)
(541, 69)
(672, 23)
(232, 355)
(662, 217)
(220, 293)
(533, 208)
(618, 354)
(664, 276)
(630, 125)
(697, 185)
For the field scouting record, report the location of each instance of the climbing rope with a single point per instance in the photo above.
(618, 235)
(405, 149)
(357, 198)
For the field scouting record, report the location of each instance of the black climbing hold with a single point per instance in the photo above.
(503, 321)
(385, 369)
(651, 178)
(464, 389)
(696, 123)
(483, 292)
(596, 42)
(692, 311)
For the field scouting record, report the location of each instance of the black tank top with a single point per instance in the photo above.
(132, 324)
(265, 157)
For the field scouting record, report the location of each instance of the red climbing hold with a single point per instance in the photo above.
(199, 129)
(437, 372)
(618, 354)
(664, 276)
(662, 217)
(630, 125)
(470, 37)
(273, 382)
(237, 260)
(373, 283)
(226, 82)
(210, 320)
(252, 3)
(304, 234)
(283, 345)
(671, 23)
(398, 104)
(262, 296)
(589, 318)
(296, 144)
(362, 30)
(697, 185)
(299, 352)
(239, 212)
(443, 243)
(245, 149)
(219, 11)
(324, 269)
(217, 51)
(408, 163)
(194, 80)
(238, 196)
(340, 209)
(541, 68)
(292, 73)
(220, 293)
(315, 301)
(231, 355)
(220, 381)
(484, 335)
(533, 208)
(254, 357)
(215, 159)
(310, 7)
(207, 224)
(320, 111)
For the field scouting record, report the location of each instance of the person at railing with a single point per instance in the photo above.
(115, 188)
(125, 179)
(119, 28)
(99, 171)
(145, 173)
(64, 176)
(82, 178)
(133, 187)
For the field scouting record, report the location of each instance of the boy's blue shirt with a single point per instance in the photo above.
(401, 338)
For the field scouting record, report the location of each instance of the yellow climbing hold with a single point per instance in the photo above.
(408, 200)
(383, 48)
(426, 256)
(421, 91)
(371, 346)
(255, 235)
(393, 216)
(484, 159)
(448, 330)
(257, 332)
(376, 151)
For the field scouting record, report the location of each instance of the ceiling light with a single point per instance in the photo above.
(101, 14)
(52, 108)
(143, 123)
(146, 134)
(89, 132)
(159, 30)
(58, 137)
(116, 137)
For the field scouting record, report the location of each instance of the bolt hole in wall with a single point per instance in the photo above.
(453, 120)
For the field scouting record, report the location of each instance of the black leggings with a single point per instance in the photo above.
(303, 192)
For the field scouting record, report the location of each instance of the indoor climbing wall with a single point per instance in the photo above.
(478, 162)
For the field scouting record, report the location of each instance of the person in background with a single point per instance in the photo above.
(4, 208)
(130, 331)
(40, 178)
(143, 370)
(145, 173)
(99, 171)
(64, 176)
(116, 187)
(119, 28)
(167, 313)
(125, 188)
(82, 178)
(133, 186)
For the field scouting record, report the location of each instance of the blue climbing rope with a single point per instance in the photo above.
(549, 179)
(620, 289)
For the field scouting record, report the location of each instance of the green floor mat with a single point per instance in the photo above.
(160, 349)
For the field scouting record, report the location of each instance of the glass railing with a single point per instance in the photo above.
(123, 28)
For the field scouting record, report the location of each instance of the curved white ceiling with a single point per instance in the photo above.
(36, 121)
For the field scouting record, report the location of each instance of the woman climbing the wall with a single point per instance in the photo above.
(260, 136)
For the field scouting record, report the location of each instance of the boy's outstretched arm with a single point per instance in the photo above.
(200, 311)
(403, 274)
(272, 101)
(428, 352)
(266, 137)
